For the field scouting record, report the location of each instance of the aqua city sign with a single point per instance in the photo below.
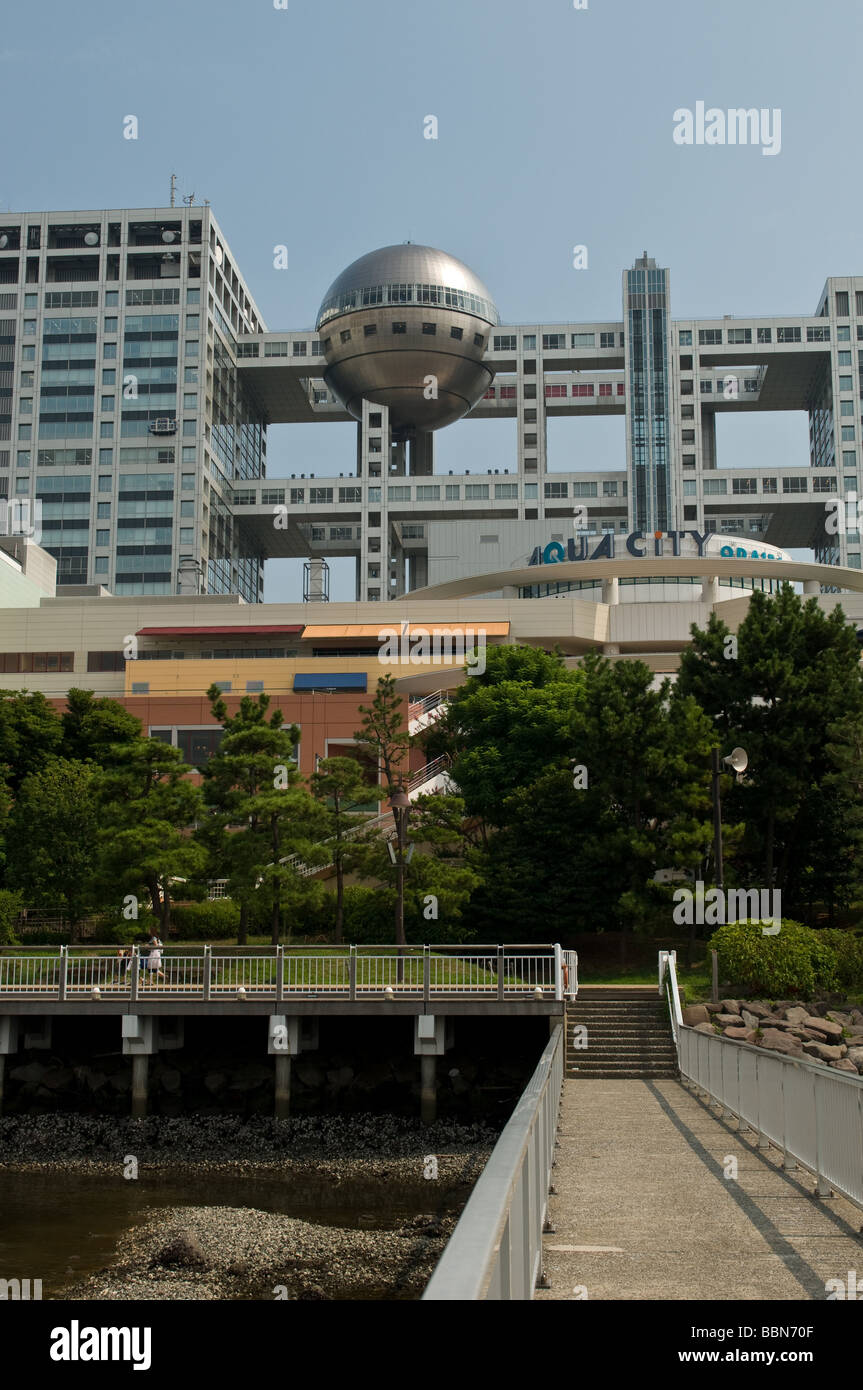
(577, 547)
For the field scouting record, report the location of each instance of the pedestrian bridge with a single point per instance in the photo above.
(291, 988)
(741, 1180)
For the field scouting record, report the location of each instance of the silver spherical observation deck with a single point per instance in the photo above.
(407, 327)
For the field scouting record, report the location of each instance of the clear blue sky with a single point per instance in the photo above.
(304, 126)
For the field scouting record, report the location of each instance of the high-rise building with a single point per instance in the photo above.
(138, 378)
(121, 409)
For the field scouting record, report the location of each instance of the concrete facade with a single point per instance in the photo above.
(138, 378)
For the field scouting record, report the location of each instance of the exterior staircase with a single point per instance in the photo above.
(628, 1034)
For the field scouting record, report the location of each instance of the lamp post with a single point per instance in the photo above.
(400, 806)
(738, 761)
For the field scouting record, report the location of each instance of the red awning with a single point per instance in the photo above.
(234, 630)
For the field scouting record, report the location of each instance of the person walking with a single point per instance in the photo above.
(154, 959)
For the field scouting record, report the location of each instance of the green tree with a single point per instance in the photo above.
(147, 808)
(263, 812)
(341, 784)
(94, 728)
(383, 736)
(52, 839)
(30, 734)
(796, 673)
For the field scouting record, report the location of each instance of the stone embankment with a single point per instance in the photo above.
(818, 1030)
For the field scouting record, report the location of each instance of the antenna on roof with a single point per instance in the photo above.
(189, 199)
(173, 190)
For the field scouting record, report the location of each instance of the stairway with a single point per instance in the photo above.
(628, 1034)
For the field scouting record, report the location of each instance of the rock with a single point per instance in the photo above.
(805, 1035)
(310, 1074)
(823, 1052)
(837, 1016)
(33, 1072)
(58, 1078)
(377, 1074)
(340, 1077)
(759, 1008)
(695, 1013)
(857, 1015)
(120, 1081)
(89, 1077)
(171, 1079)
(705, 1028)
(796, 1014)
(750, 1020)
(823, 1025)
(855, 1055)
(729, 1006)
(184, 1250)
(713, 1008)
(215, 1081)
(777, 1041)
(727, 1020)
(250, 1076)
(842, 1064)
(740, 1034)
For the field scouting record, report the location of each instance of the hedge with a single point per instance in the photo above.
(793, 962)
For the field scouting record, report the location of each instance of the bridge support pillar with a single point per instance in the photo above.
(428, 1090)
(140, 1035)
(140, 1085)
(286, 1038)
(710, 589)
(8, 1046)
(431, 1039)
(283, 1086)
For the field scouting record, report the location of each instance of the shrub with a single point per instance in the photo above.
(793, 962)
(848, 950)
(211, 921)
(10, 906)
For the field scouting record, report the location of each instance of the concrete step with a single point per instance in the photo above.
(656, 1075)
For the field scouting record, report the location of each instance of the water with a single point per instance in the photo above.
(60, 1228)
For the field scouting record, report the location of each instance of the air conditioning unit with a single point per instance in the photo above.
(163, 426)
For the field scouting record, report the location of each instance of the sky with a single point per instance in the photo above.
(303, 126)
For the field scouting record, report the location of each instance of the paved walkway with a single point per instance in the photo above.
(644, 1211)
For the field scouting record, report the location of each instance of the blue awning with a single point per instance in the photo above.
(332, 680)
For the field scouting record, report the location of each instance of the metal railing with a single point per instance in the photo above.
(495, 1251)
(813, 1113)
(570, 975)
(352, 972)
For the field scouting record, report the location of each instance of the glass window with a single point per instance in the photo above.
(198, 745)
(531, 491)
(187, 535)
(528, 342)
(106, 429)
(453, 492)
(187, 509)
(107, 403)
(193, 323)
(105, 483)
(476, 491)
(109, 351)
(768, 485)
(843, 333)
(187, 482)
(190, 400)
(100, 564)
(103, 537)
(685, 337)
(29, 327)
(103, 510)
(110, 325)
(456, 333)
(689, 487)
